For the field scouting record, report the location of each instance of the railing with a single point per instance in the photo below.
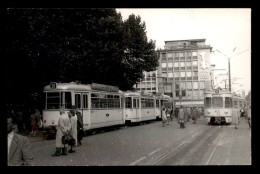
(185, 47)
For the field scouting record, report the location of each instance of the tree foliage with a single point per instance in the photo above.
(88, 45)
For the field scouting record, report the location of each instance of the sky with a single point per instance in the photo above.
(227, 30)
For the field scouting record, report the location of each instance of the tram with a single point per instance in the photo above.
(100, 105)
(221, 106)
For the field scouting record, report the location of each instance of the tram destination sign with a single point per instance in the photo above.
(101, 87)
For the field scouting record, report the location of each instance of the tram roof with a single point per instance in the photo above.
(131, 93)
(81, 87)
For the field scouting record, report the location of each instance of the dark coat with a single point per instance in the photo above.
(20, 152)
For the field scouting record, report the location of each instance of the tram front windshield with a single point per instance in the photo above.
(217, 102)
(55, 100)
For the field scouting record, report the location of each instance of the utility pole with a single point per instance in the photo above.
(229, 75)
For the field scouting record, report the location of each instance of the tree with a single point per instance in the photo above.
(140, 54)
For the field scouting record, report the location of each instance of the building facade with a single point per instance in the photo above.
(149, 84)
(185, 71)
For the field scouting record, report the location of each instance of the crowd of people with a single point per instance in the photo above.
(25, 122)
(186, 113)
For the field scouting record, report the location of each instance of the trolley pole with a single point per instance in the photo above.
(229, 74)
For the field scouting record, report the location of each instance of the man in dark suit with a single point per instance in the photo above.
(19, 153)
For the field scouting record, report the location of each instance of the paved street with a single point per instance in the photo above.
(152, 144)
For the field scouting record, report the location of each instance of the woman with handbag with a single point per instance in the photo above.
(63, 129)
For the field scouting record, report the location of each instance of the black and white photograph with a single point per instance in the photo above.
(128, 87)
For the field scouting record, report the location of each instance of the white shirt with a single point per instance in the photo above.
(10, 139)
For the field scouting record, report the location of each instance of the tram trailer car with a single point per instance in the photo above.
(100, 105)
(139, 107)
(220, 107)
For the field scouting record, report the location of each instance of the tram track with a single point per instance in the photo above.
(182, 152)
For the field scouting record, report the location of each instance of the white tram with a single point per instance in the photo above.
(100, 105)
(221, 107)
(139, 107)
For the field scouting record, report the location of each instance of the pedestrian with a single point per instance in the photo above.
(19, 148)
(63, 129)
(194, 115)
(181, 115)
(185, 113)
(34, 122)
(236, 119)
(249, 116)
(188, 113)
(164, 118)
(168, 115)
(80, 132)
(172, 114)
(20, 121)
(73, 122)
(176, 112)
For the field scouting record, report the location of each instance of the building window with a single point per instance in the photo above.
(170, 65)
(189, 94)
(181, 54)
(194, 63)
(202, 85)
(183, 93)
(182, 74)
(201, 94)
(164, 65)
(195, 73)
(188, 73)
(177, 93)
(176, 58)
(188, 54)
(195, 85)
(163, 55)
(176, 74)
(170, 74)
(169, 55)
(182, 58)
(183, 85)
(164, 69)
(170, 79)
(182, 64)
(188, 63)
(195, 77)
(194, 54)
(164, 74)
(176, 64)
(196, 94)
(189, 85)
(177, 85)
(176, 55)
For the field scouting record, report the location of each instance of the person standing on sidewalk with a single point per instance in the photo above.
(63, 128)
(249, 116)
(79, 127)
(73, 122)
(164, 118)
(19, 152)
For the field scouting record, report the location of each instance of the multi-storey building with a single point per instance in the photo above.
(185, 71)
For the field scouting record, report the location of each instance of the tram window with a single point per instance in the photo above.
(217, 102)
(240, 104)
(235, 104)
(53, 100)
(85, 101)
(228, 102)
(134, 103)
(208, 102)
(143, 103)
(77, 101)
(103, 103)
(157, 103)
(68, 103)
(117, 101)
(128, 102)
(94, 102)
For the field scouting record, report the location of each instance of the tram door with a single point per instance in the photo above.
(136, 106)
(82, 106)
